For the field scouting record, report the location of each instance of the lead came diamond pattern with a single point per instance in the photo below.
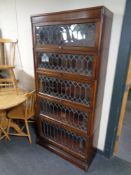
(67, 115)
(66, 89)
(67, 34)
(64, 137)
(82, 64)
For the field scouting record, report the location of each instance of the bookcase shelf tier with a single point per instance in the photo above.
(69, 49)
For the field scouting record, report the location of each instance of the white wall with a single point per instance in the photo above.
(15, 23)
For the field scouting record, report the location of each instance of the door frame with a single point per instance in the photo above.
(123, 109)
(119, 81)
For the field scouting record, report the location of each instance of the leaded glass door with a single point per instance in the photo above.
(81, 35)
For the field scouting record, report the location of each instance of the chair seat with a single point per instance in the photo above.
(17, 112)
(5, 67)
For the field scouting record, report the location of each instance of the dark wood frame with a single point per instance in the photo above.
(119, 83)
(103, 19)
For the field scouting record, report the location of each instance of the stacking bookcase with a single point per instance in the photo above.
(68, 48)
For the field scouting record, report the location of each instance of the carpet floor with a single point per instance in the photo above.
(125, 138)
(18, 157)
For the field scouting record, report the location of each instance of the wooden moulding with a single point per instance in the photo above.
(63, 125)
(75, 158)
(83, 107)
(66, 76)
(80, 163)
(64, 102)
(87, 13)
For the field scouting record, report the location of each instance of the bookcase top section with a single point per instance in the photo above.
(85, 13)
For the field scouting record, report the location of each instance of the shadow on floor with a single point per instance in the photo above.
(18, 157)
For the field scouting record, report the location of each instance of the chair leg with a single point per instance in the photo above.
(5, 133)
(28, 131)
(8, 128)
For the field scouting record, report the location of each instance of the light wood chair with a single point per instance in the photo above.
(6, 86)
(7, 60)
(23, 113)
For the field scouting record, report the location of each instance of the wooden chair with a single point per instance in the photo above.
(23, 113)
(7, 59)
(6, 86)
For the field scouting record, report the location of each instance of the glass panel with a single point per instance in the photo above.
(82, 64)
(66, 89)
(67, 115)
(64, 137)
(67, 34)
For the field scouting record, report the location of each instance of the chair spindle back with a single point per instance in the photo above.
(30, 105)
(7, 51)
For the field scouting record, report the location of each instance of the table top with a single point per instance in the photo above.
(11, 99)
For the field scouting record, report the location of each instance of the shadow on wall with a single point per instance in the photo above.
(1, 50)
(0, 33)
(26, 81)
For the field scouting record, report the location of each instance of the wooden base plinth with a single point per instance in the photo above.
(80, 163)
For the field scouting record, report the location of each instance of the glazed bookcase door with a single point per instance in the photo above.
(79, 64)
(72, 117)
(78, 35)
(71, 90)
(65, 139)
